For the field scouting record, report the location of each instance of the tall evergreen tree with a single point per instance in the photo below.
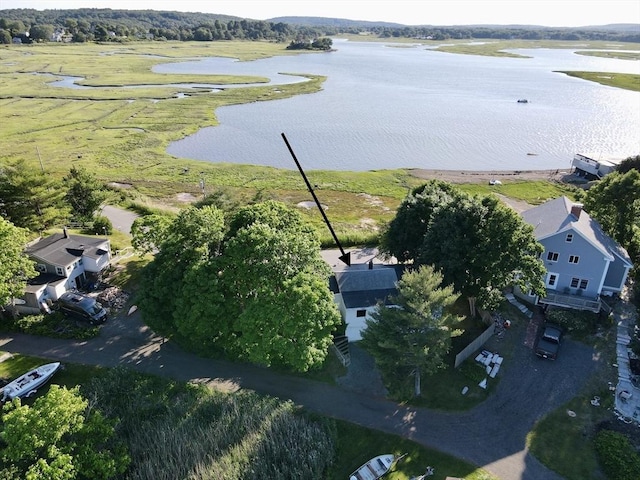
(31, 199)
(412, 336)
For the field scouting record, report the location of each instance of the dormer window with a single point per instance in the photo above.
(569, 238)
(41, 268)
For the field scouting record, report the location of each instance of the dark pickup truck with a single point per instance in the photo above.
(548, 343)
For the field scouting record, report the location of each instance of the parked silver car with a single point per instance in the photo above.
(83, 307)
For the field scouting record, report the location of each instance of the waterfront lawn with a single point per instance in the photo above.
(532, 192)
(356, 445)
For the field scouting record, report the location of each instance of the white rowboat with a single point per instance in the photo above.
(27, 384)
(374, 468)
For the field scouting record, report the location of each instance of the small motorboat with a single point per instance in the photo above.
(523, 100)
(374, 468)
(27, 384)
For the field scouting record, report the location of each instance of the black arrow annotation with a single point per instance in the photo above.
(346, 256)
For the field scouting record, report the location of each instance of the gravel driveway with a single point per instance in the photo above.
(492, 435)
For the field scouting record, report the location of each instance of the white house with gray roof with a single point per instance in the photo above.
(65, 262)
(583, 263)
(357, 288)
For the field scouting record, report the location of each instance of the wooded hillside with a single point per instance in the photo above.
(91, 24)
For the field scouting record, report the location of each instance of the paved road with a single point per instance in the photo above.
(491, 435)
(121, 219)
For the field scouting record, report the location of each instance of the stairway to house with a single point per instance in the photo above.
(523, 308)
(341, 348)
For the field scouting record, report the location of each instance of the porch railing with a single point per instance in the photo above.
(574, 301)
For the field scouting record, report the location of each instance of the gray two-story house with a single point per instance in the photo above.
(583, 263)
(64, 262)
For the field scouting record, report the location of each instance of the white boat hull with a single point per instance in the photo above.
(27, 384)
(374, 468)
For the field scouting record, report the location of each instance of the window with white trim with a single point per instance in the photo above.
(574, 258)
(60, 271)
(41, 267)
(552, 256)
(569, 238)
(361, 313)
(580, 283)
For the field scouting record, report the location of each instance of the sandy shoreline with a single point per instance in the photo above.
(465, 176)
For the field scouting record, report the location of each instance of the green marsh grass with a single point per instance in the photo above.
(627, 81)
(532, 192)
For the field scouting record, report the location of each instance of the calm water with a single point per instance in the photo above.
(387, 107)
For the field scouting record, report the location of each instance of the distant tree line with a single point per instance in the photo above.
(86, 24)
(90, 24)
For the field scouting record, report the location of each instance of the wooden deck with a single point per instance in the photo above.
(572, 301)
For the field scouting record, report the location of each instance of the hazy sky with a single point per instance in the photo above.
(568, 13)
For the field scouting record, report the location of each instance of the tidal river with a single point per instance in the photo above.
(386, 106)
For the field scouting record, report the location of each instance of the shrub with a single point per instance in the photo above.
(616, 454)
(54, 325)
(102, 226)
(574, 321)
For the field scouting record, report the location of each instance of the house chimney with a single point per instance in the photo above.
(65, 234)
(576, 209)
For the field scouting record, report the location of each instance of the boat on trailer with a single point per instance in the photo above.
(374, 468)
(27, 384)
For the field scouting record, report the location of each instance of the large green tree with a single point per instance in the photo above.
(615, 202)
(192, 238)
(404, 235)
(283, 310)
(15, 267)
(41, 32)
(259, 294)
(149, 231)
(58, 438)
(629, 163)
(480, 245)
(412, 336)
(30, 198)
